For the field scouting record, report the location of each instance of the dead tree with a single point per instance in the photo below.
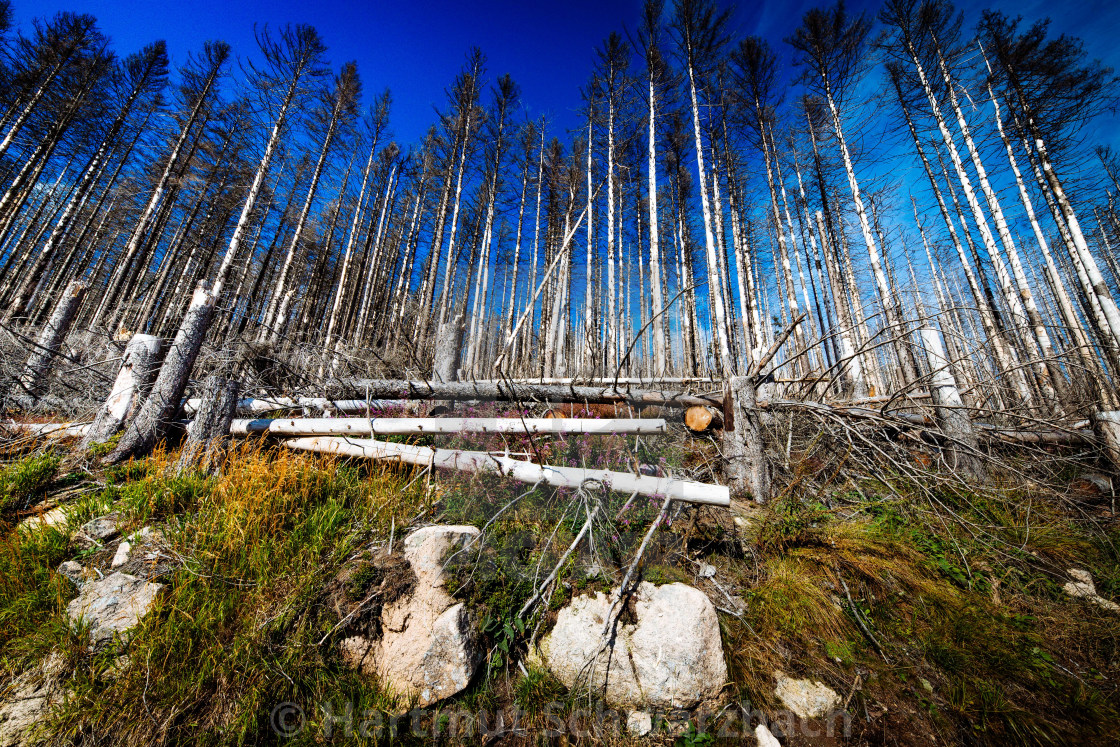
(745, 466)
(949, 408)
(34, 377)
(138, 368)
(1106, 425)
(208, 434)
(161, 405)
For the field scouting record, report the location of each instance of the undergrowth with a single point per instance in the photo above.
(935, 615)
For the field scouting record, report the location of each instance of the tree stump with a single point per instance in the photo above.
(1106, 425)
(445, 362)
(949, 409)
(449, 346)
(34, 377)
(138, 369)
(142, 433)
(208, 434)
(745, 466)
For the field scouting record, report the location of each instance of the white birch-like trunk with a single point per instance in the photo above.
(719, 325)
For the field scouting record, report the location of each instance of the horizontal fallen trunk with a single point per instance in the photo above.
(257, 406)
(527, 472)
(51, 430)
(515, 392)
(606, 380)
(407, 426)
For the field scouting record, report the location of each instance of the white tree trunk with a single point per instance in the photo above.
(526, 472)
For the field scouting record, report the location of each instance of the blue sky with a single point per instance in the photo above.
(416, 48)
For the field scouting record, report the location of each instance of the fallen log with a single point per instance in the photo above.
(406, 426)
(699, 419)
(50, 430)
(527, 472)
(516, 392)
(605, 380)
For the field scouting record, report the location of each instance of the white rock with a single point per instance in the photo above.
(120, 557)
(707, 571)
(29, 702)
(806, 698)
(1082, 587)
(765, 737)
(57, 517)
(1083, 576)
(428, 647)
(113, 605)
(639, 723)
(671, 656)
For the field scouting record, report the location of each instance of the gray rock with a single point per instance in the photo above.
(113, 606)
(97, 532)
(671, 656)
(76, 573)
(806, 698)
(30, 699)
(428, 648)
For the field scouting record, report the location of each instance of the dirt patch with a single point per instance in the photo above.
(360, 590)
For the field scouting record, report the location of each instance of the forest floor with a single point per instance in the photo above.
(938, 620)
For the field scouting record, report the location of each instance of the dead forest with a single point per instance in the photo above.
(719, 209)
(819, 334)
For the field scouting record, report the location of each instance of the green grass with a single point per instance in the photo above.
(26, 480)
(949, 611)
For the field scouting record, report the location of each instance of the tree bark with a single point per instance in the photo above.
(208, 434)
(138, 369)
(34, 377)
(164, 401)
(745, 465)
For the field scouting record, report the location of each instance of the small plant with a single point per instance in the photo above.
(26, 479)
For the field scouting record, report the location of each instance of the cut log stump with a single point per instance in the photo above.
(138, 369)
(208, 434)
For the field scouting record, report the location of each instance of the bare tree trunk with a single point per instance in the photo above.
(138, 369)
(719, 325)
(745, 465)
(1106, 425)
(449, 346)
(161, 405)
(208, 434)
(949, 407)
(34, 377)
